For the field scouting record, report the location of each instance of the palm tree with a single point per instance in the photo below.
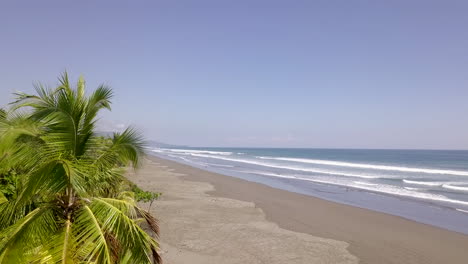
(70, 204)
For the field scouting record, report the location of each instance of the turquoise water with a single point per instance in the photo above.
(429, 186)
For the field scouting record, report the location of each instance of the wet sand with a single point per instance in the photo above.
(211, 218)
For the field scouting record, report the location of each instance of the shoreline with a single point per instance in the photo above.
(373, 237)
(375, 190)
(414, 209)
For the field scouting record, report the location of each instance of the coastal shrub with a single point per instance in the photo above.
(145, 196)
(62, 194)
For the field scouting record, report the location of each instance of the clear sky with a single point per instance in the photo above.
(340, 74)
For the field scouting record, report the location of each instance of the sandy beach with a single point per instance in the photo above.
(211, 218)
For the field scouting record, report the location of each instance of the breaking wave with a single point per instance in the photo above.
(370, 166)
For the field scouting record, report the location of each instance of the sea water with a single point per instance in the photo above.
(429, 186)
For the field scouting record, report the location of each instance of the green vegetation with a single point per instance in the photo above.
(63, 196)
(145, 196)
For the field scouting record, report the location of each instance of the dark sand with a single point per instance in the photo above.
(372, 236)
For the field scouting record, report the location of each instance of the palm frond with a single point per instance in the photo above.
(150, 220)
(3, 199)
(129, 145)
(94, 245)
(17, 242)
(124, 228)
(59, 169)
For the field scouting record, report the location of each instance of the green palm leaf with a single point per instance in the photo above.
(69, 203)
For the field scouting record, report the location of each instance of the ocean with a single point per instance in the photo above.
(428, 186)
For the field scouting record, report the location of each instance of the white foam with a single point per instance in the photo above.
(271, 174)
(365, 183)
(190, 161)
(454, 187)
(461, 210)
(387, 189)
(190, 151)
(288, 167)
(157, 150)
(423, 183)
(219, 165)
(416, 194)
(184, 159)
(370, 166)
(412, 188)
(393, 190)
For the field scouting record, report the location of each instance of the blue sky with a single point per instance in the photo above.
(339, 74)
